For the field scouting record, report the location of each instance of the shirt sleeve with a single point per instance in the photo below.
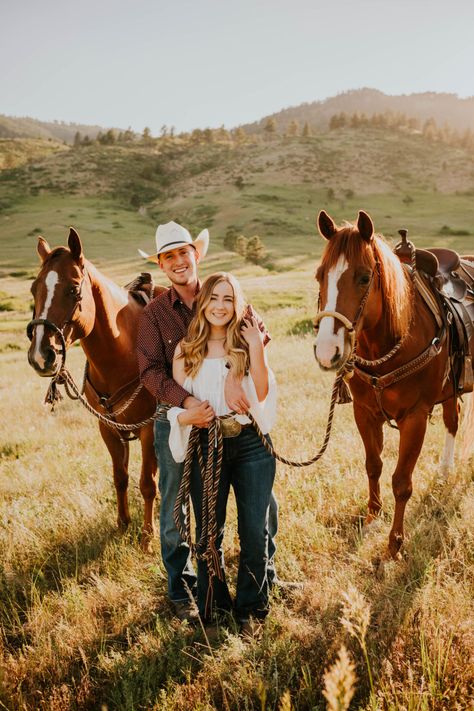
(152, 363)
(179, 435)
(265, 412)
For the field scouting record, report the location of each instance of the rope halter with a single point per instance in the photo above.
(350, 330)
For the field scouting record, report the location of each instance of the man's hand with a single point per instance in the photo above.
(234, 395)
(200, 415)
(190, 401)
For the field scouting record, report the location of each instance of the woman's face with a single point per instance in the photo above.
(220, 309)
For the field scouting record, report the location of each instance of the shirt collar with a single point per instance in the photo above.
(175, 297)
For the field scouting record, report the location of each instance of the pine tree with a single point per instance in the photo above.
(146, 135)
(241, 245)
(230, 239)
(270, 127)
(293, 128)
(256, 251)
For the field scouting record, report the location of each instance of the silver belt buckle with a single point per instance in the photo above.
(230, 427)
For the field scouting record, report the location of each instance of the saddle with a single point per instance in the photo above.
(142, 288)
(451, 280)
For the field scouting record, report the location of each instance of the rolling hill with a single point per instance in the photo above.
(443, 108)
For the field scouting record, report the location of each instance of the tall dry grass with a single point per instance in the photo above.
(84, 619)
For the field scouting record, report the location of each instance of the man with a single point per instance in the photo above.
(164, 322)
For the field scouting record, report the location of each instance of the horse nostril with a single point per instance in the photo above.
(50, 357)
(336, 356)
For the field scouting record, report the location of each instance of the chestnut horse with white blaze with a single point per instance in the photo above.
(73, 300)
(401, 358)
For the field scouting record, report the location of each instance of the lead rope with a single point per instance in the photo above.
(206, 547)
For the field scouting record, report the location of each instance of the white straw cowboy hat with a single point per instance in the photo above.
(171, 236)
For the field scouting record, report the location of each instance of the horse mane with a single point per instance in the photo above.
(394, 284)
(55, 254)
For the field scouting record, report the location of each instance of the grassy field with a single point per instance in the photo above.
(84, 617)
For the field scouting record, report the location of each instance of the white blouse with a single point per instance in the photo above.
(208, 384)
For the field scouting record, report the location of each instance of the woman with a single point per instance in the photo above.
(223, 335)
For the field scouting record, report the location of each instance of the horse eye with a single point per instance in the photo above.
(74, 290)
(364, 280)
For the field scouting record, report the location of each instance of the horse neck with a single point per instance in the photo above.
(378, 339)
(110, 346)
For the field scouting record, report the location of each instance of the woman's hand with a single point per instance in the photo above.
(235, 396)
(250, 331)
(200, 415)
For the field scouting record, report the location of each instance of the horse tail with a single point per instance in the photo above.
(467, 427)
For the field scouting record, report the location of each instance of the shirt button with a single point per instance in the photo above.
(169, 340)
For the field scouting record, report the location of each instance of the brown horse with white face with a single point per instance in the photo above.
(74, 301)
(401, 356)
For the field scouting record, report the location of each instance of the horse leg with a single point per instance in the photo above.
(370, 428)
(119, 452)
(412, 434)
(148, 486)
(467, 427)
(451, 421)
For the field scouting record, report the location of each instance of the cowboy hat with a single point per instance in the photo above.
(171, 236)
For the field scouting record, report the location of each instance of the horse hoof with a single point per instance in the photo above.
(392, 555)
(122, 526)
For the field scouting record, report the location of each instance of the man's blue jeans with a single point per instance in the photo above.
(250, 470)
(174, 552)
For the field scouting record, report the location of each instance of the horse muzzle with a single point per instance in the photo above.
(43, 356)
(45, 361)
(332, 350)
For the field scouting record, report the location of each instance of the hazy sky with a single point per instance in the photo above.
(198, 63)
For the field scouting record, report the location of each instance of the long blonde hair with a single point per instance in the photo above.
(194, 345)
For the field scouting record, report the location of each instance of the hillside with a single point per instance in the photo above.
(25, 127)
(270, 187)
(443, 108)
(15, 152)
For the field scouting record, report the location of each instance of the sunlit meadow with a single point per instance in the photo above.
(84, 618)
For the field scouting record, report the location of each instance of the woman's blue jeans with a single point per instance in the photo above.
(249, 469)
(174, 551)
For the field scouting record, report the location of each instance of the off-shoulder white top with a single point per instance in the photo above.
(208, 384)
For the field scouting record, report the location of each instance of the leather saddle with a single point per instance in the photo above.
(141, 288)
(452, 281)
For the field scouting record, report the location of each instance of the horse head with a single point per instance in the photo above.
(64, 308)
(347, 290)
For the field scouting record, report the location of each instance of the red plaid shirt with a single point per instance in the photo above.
(163, 323)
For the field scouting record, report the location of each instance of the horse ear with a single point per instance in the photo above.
(365, 226)
(43, 249)
(74, 244)
(326, 225)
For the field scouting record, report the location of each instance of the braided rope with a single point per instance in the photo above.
(206, 547)
(70, 385)
(130, 400)
(335, 391)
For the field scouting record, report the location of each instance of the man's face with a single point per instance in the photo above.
(180, 265)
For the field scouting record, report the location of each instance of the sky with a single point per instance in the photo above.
(206, 63)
